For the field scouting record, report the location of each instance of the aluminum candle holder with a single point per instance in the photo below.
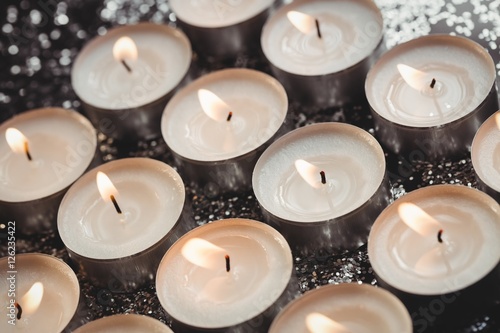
(437, 249)
(429, 96)
(324, 65)
(62, 146)
(118, 244)
(336, 212)
(125, 86)
(221, 31)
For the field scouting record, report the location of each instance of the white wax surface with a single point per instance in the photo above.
(350, 29)
(121, 323)
(261, 266)
(60, 297)
(259, 105)
(470, 221)
(352, 160)
(62, 144)
(359, 308)
(464, 74)
(217, 14)
(151, 197)
(164, 56)
(485, 152)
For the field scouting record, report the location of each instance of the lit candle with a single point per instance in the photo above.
(119, 219)
(429, 96)
(126, 77)
(344, 308)
(232, 274)
(218, 126)
(42, 152)
(124, 323)
(39, 293)
(321, 50)
(437, 248)
(322, 186)
(485, 153)
(223, 29)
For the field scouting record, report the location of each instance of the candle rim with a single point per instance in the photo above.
(293, 6)
(248, 15)
(438, 39)
(124, 320)
(114, 33)
(229, 74)
(330, 291)
(383, 222)
(277, 237)
(32, 115)
(332, 128)
(488, 126)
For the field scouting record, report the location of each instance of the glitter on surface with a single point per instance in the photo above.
(40, 40)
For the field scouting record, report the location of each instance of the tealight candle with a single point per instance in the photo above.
(118, 220)
(485, 153)
(232, 274)
(321, 50)
(40, 293)
(124, 323)
(222, 29)
(42, 152)
(322, 186)
(344, 308)
(219, 124)
(437, 248)
(126, 77)
(429, 96)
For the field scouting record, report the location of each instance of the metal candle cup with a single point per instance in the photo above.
(485, 156)
(62, 145)
(346, 307)
(328, 70)
(124, 323)
(335, 215)
(437, 249)
(223, 30)
(219, 124)
(126, 102)
(431, 123)
(201, 295)
(121, 251)
(41, 293)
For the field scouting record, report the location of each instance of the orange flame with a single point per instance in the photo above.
(202, 253)
(497, 119)
(16, 140)
(319, 323)
(32, 299)
(125, 49)
(303, 22)
(213, 105)
(309, 172)
(416, 79)
(418, 220)
(105, 186)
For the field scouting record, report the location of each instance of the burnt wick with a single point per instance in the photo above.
(229, 116)
(433, 83)
(323, 177)
(19, 310)
(27, 150)
(118, 210)
(127, 67)
(439, 236)
(228, 263)
(318, 30)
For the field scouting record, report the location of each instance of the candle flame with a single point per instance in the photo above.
(16, 140)
(214, 106)
(303, 22)
(416, 79)
(125, 49)
(32, 299)
(497, 119)
(202, 253)
(319, 323)
(309, 172)
(418, 220)
(105, 186)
